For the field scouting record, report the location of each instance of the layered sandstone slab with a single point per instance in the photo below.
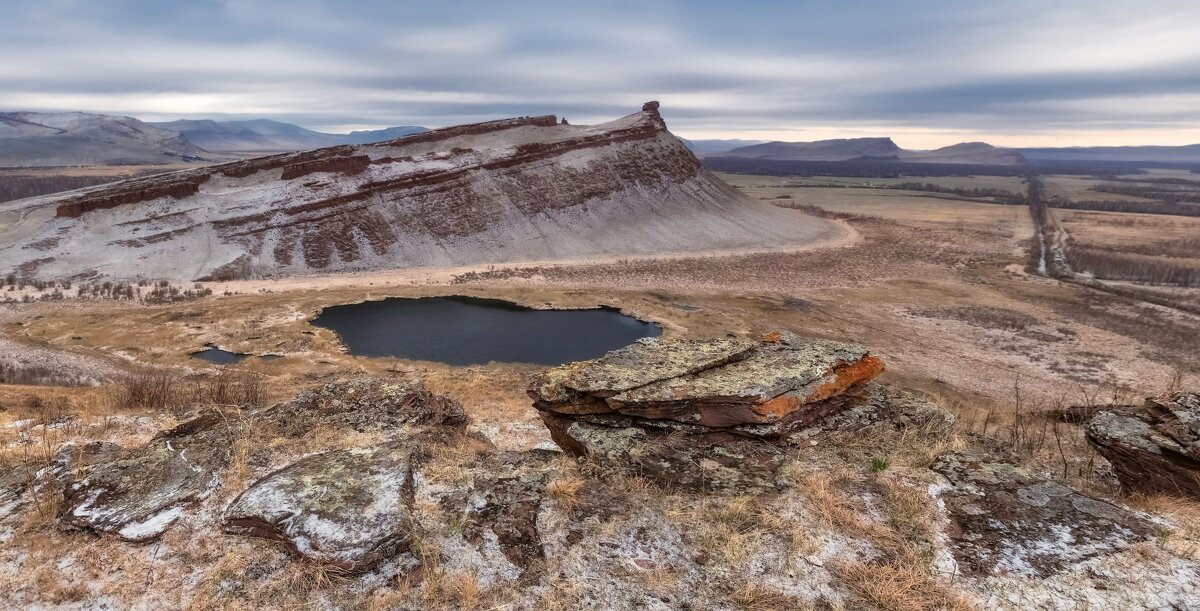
(1155, 450)
(708, 415)
(713, 383)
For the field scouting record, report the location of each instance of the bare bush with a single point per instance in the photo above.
(152, 389)
(231, 387)
(16, 371)
(1114, 266)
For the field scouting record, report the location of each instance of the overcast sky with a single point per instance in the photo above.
(926, 72)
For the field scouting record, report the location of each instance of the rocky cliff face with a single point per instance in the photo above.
(526, 188)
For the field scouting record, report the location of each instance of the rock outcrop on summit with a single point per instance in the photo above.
(1155, 450)
(708, 414)
(522, 189)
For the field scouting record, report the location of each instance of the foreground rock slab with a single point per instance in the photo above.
(139, 496)
(715, 383)
(363, 405)
(1156, 450)
(1005, 520)
(701, 414)
(346, 508)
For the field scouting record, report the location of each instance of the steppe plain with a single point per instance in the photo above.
(937, 285)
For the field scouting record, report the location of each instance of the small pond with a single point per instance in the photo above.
(221, 357)
(472, 331)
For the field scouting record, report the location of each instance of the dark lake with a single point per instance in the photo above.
(218, 356)
(472, 331)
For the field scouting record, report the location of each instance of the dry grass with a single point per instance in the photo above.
(1183, 514)
(900, 586)
(565, 491)
(731, 531)
(750, 596)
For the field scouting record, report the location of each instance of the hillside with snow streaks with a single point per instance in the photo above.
(522, 189)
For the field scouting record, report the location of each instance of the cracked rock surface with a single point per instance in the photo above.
(141, 495)
(347, 508)
(1008, 520)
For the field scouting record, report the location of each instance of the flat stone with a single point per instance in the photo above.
(1007, 520)
(643, 362)
(139, 496)
(715, 383)
(363, 405)
(347, 508)
(770, 371)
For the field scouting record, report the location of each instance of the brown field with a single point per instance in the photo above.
(1009, 183)
(1079, 188)
(934, 286)
(1162, 234)
(909, 206)
(902, 289)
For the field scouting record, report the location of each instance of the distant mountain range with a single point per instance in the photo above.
(701, 147)
(882, 149)
(1162, 154)
(267, 136)
(76, 138)
(30, 139)
(875, 149)
(35, 139)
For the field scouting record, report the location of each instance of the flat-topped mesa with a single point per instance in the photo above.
(519, 189)
(718, 383)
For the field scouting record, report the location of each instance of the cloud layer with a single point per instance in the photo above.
(928, 72)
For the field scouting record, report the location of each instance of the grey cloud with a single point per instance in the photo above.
(932, 64)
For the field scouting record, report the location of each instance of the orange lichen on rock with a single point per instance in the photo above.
(780, 406)
(846, 375)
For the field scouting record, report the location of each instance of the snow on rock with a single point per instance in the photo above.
(139, 496)
(511, 190)
(347, 508)
(152, 526)
(1006, 520)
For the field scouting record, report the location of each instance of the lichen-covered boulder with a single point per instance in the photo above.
(1006, 520)
(139, 496)
(714, 383)
(364, 404)
(710, 415)
(347, 508)
(1155, 450)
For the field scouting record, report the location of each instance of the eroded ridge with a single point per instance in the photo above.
(521, 189)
